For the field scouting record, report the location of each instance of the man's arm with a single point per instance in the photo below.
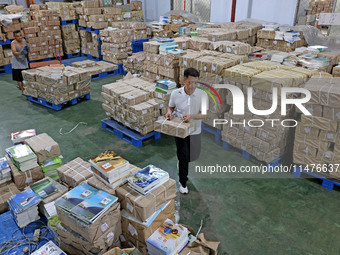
(189, 117)
(14, 50)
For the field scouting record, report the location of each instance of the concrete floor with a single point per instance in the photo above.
(249, 216)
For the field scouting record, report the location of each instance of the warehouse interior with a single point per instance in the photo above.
(81, 140)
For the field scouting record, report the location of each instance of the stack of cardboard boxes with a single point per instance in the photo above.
(90, 43)
(132, 12)
(117, 41)
(131, 102)
(57, 86)
(336, 71)
(269, 141)
(66, 11)
(5, 56)
(315, 8)
(316, 137)
(71, 40)
(95, 67)
(43, 34)
(135, 63)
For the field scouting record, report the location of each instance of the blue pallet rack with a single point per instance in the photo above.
(56, 107)
(127, 134)
(214, 131)
(6, 42)
(72, 55)
(105, 74)
(45, 59)
(69, 22)
(6, 69)
(137, 45)
(248, 156)
(326, 183)
(90, 57)
(120, 67)
(91, 30)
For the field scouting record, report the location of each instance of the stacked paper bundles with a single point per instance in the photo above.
(24, 179)
(110, 167)
(147, 179)
(270, 141)
(23, 157)
(71, 39)
(24, 207)
(74, 172)
(56, 86)
(5, 55)
(7, 191)
(41, 34)
(134, 63)
(117, 40)
(19, 137)
(175, 127)
(49, 190)
(169, 238)
(5, 171)
(316, 137)
(95, 67)
(66, 11)
(49, 167)
(90, 219)
(128, 102)
(49, 248)
(44, 147)
(336, 71)
(90, 43)
(90, 15)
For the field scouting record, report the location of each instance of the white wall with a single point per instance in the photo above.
(280, 11)
(155, 8)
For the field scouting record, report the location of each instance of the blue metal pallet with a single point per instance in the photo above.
(6, 69)
(69, 22)
(326, 183)
(120, 67)
(90, 57)
(91, 30)
(56, 107)
(2, 42)
(248, 156)
(72, 55)
(45, 59)
(105, 74)
(9, 227)
(137, 45)
(209, 129)
(127, 134)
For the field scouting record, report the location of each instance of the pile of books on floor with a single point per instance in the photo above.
(24, 207)
(5, 171)
(90, 220)
(49, 167)
(22, 156)
(168, 239)
(19, 137)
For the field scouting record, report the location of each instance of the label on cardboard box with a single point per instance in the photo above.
(110, 236)
(104, 227)
(132, 230)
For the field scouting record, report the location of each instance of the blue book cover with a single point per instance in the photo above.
(75, 196)
(24, 200)
(94, 206)
(3, 163)
(147, 177)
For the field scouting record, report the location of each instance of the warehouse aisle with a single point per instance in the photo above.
(249, 216)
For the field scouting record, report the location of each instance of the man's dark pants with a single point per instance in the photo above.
(188, 150)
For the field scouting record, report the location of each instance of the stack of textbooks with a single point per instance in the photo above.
(23, 157)
(21, 136)
(24, 207)
(49, 167)
(165, 86)
(44, 188)
(5, 171)
(148, 179)
(86, 203)
(168, 239)
(49, 249)
(110, 168)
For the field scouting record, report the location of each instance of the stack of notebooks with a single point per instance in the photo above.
(19, 137)
(24, 207)
(49, 167)
(23, 157)
(44, 188)
(86, 203)
(165, 86)
(49, 249)
(5, 171)
(148, 179)
(168, 239)
(110, 168)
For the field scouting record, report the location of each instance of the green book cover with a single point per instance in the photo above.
(51, 164)
(44, 188)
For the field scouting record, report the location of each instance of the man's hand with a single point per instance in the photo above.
(168, 115)
(186, 118)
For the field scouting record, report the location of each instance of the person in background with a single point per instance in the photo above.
(19, 60)
(185, 102)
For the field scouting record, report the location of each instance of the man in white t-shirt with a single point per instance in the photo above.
(185, 103)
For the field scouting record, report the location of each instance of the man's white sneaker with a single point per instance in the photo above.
(183, 190)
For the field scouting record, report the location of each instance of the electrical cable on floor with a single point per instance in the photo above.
(199, 230)
(79, 123)
(24, 240)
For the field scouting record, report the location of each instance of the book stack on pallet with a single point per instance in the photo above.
(56, 85)
(90, 220)
(94, 68)
(66, 11)
(22, 157)
(5, 55)
(90, 43)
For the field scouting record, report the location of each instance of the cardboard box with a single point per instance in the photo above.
(6, 192)
(142, 207)
(75, 172)
(175, 127)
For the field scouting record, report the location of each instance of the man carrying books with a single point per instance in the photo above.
(186, 103)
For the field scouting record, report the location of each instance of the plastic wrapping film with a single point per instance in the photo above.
(193, 18)
(6, 19)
